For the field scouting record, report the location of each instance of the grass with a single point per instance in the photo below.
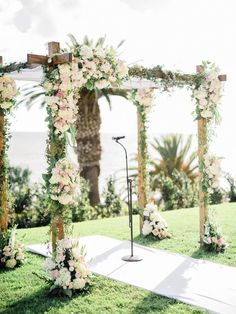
(22, 291)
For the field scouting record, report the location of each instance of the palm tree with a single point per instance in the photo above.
(88, 126)
(174, 154)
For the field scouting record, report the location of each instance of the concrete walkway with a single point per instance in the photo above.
(197, 282)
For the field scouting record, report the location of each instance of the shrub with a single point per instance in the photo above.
(28, 201)
(83, 210)
(232, 185)
(177, 191)
(217, 196)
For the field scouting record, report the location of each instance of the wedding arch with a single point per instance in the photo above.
(62, 79)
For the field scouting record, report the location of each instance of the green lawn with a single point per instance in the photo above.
(23, 292)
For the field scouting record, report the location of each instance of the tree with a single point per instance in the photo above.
(174, 154)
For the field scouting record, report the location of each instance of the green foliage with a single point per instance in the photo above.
(173, 153)
(28, 202)
(177, 190)
(232, 185)
(217, 196)
(83, 210)
(112, 201)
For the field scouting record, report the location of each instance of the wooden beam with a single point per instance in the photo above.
(63, 58)
(37, 59)
(221, 77)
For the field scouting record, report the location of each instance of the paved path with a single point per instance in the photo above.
(198, 282)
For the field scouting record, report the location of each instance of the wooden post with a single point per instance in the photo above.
(57, 221)
(4, 206)
(202, 150)
(32, 59)
(142, 147)
(202, 196)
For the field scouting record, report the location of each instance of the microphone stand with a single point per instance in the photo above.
(131, 257)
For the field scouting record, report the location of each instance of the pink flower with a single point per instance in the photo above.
(60, 93)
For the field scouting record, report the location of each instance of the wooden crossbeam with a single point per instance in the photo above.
(53, 47)
(221, 77)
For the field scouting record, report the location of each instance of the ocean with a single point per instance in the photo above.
(28, 150)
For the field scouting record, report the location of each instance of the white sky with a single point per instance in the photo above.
(177, 34)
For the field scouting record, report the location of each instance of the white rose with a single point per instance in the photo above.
(122, 69)
(6, 105)
(49, 264)
(86, 52)
(102, 84)
(100, 53)
(11, 263)
(78, 283)
(147, 228)
(65, 199)
(145, 213)
(206, 113)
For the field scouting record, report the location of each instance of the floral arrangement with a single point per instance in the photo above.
(208, 93)
(64, 182)
(8, 91)
(99, 67)
(213, 239)
(211, 173)
(61, 98)
(11, 251)
(145, 97)
(154, 223)
(68, 269)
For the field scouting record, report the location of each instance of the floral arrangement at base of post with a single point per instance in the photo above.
(68, 269)
(213, 239)
(11, 251)
(154, 223)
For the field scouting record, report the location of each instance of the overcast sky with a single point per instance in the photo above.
(176, 33)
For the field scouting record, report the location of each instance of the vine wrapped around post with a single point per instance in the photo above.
(207, 93)
(7, 93)
(143, 99)
(62, 177)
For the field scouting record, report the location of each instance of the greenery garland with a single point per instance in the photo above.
(143, 99)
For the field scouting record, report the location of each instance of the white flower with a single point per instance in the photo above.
(145, 213)
(86, 52)
(49, 264)
(151, 207)
(78, 283)
(122, 69)
(206, 113)
(65, 199)
(6, 105)
(102, 84)
(147, 228)
(100, 53)
(11, 263)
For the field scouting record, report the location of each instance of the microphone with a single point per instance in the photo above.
(117, 138)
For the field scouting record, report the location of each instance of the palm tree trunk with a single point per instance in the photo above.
(88, 142)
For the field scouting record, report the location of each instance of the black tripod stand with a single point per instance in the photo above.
(131, 257)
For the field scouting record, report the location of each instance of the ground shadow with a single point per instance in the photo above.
(38, 302)
(153, 303)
